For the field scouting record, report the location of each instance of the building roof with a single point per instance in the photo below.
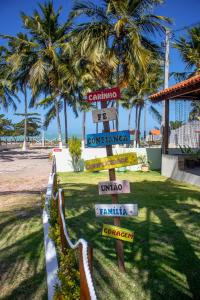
(155, 132)
(188, 89)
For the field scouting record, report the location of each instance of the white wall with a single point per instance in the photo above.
(63, 159)
(170, 168)
(9, 146)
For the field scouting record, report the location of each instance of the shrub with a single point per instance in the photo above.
(68, 273)
(75, 151)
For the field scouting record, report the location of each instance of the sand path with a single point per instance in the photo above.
(23, 176)
(24, 171)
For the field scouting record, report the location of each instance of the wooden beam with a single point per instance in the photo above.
(165, 134)
(180, 92)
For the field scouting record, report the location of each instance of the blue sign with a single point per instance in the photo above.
(108, 138)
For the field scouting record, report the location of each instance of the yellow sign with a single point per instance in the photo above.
(111, 162)
(118, 233)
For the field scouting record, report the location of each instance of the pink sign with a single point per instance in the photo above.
(104, 95)
(57, 150)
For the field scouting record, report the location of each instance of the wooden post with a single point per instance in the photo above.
(84, 290)
(119, 244)
(90, 259)
(165, 143)
(165, 121)
(63, 202)
(64, 244)
(54, 183)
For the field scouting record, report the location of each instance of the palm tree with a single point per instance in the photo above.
(44, 69)
(8, 90)
(6, 126)
(189, 49)
(19, 58)
(117, 31)
(137, 93)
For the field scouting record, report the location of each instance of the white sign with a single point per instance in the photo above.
(114, 187)
(103, 115)
(116, 210)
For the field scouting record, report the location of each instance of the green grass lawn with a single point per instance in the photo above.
(22, 268)
(164, 260)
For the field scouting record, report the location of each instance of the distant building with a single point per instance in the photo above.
(188, 135)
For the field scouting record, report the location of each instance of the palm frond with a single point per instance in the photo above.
(155, 113)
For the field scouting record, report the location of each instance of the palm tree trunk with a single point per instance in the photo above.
(83, 127)
(25, 119)
(145, 121)
(129, 118)
(117, 118)
(58, 124)
(97, 127)
(138, 126)
(117, 102)
(136, 123)
(65, 121)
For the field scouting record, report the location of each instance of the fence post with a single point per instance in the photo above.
(90, 259)
(54, 183)
(63, 202)
(84, 291)
(64, 245)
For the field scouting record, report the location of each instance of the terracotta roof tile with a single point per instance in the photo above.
(179, 87)
(155, 132)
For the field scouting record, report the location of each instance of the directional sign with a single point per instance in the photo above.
(108, 138)
(114, 187)
(103, 115)
(117, 233)
(57, 150)
(116, 210)
(104, 95)
(111, 162)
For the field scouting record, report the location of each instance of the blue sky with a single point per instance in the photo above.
(182, 12)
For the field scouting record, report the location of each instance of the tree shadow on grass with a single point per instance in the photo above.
(164, 252)
(22, 262)
(27, 288)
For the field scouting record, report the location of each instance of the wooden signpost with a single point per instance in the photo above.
(108, 138)
(111, 162)
(114, 187)
(118, 233)
(102, 115)
(116, 210)
(112, 177)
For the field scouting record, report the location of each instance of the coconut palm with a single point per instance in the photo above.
(48, 70)
(44, 69)
(19, 59)
(117, 31)
(8, 90)
(6, 126)
(137, 93)
(189, 49)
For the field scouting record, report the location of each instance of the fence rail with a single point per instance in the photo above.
(87, 291)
